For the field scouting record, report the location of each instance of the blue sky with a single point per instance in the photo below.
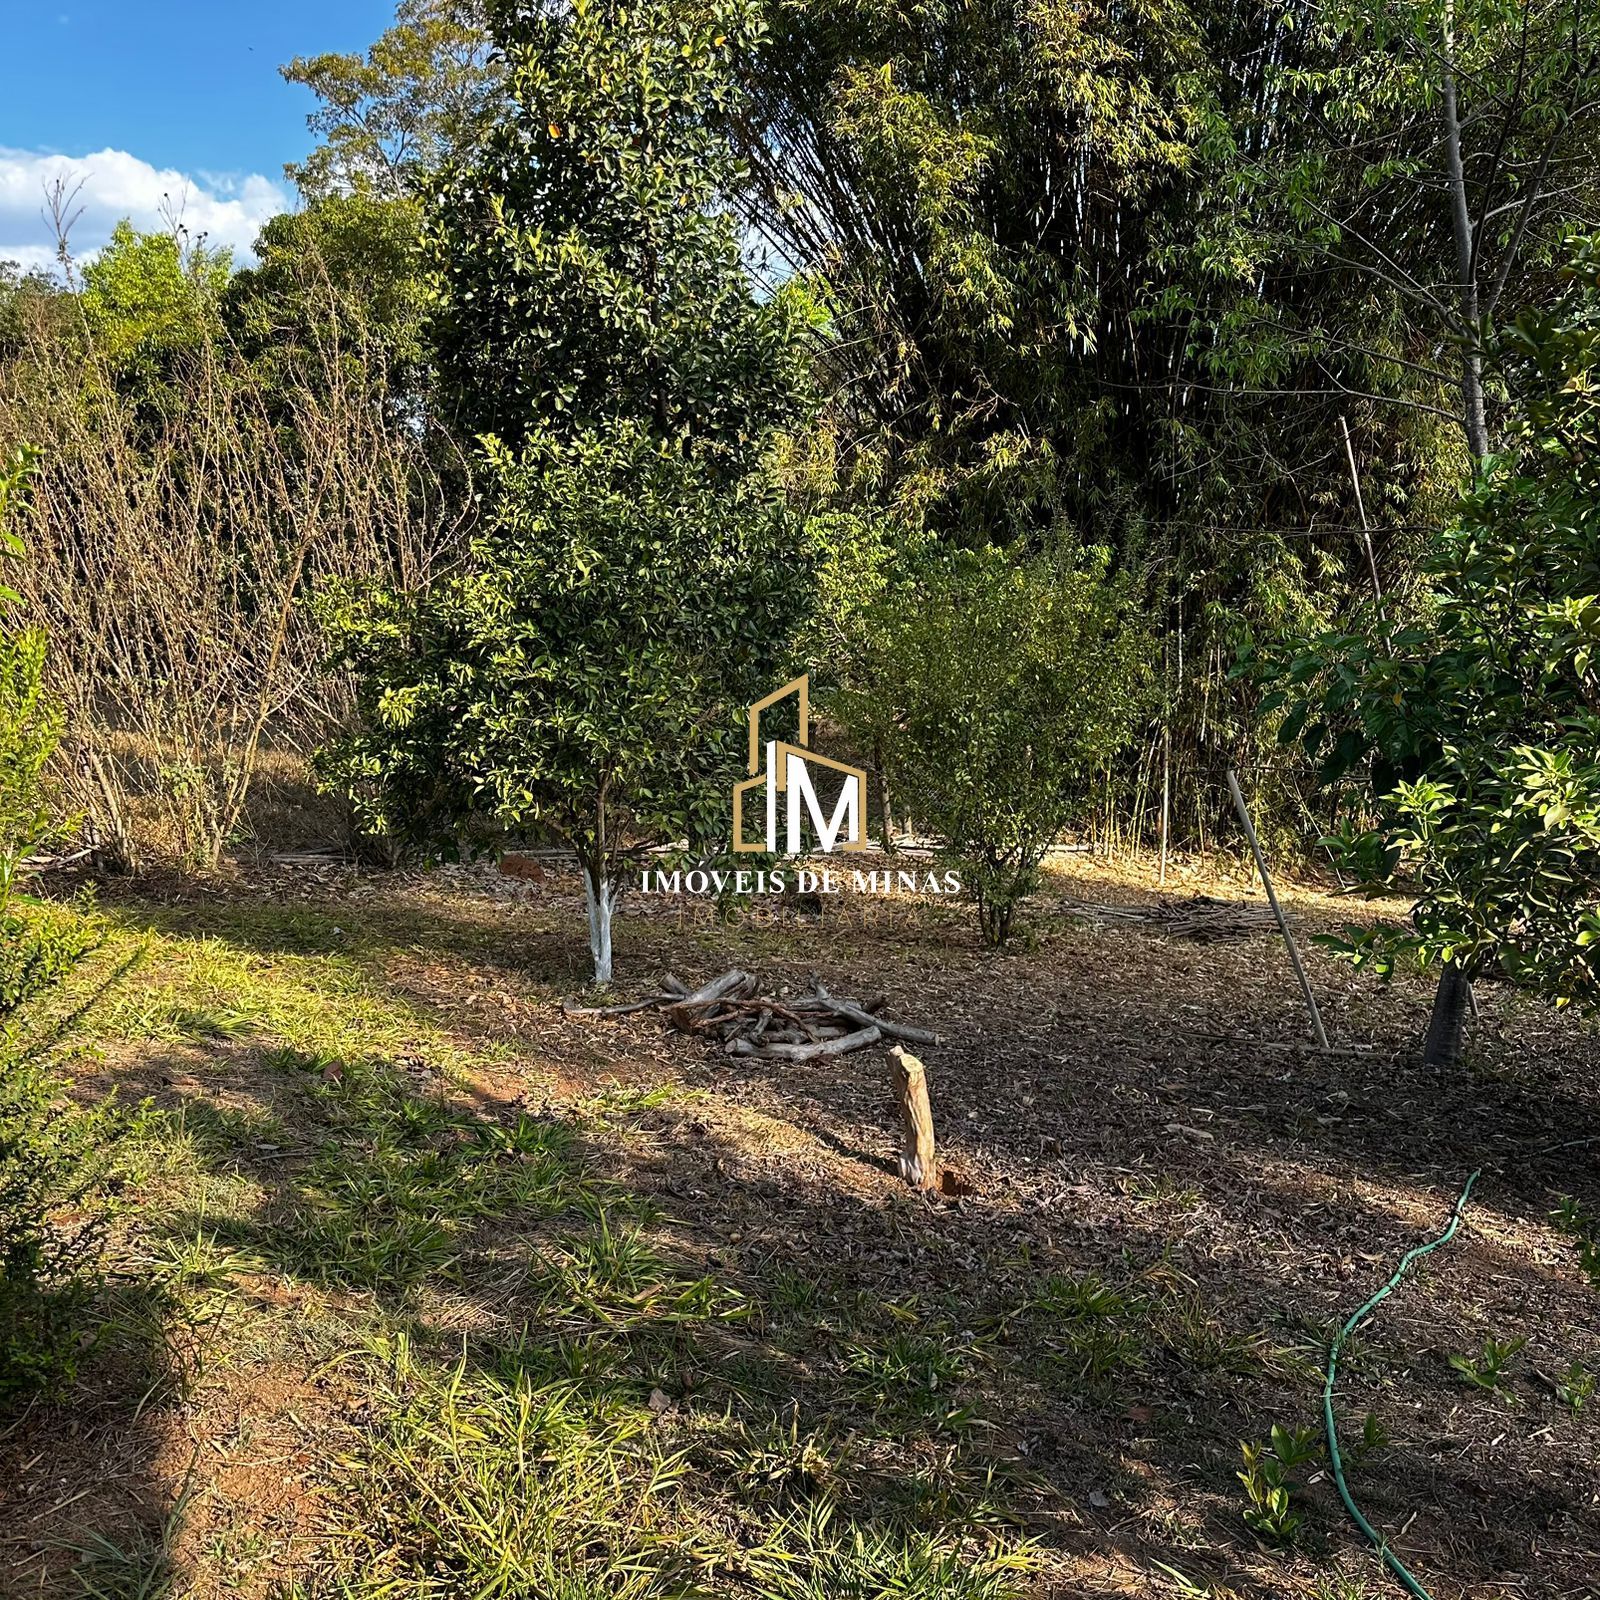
(149, 97)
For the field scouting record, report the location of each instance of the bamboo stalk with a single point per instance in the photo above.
(1166, 795)
(1361, 509)
(1277, 910)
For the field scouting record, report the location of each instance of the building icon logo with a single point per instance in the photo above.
(786, 770)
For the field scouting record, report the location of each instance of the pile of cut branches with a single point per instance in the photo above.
(1203, 917)
(734, 1010)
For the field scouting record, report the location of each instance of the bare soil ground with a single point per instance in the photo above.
(1177, 1200)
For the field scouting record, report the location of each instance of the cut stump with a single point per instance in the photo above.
(910, 1081)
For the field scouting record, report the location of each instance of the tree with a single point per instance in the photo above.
(1477, 722)
(1002, 690)
(586, 679)
(148, 298)
(1451, 145)
(351, 256)
(174, 526)
(22, 294)
(1131, 270)
(638, 580)
(587, 265)
(1432, 157)
(391, 118)
(1065, 295)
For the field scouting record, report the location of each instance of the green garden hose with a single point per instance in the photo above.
(1389, 1558)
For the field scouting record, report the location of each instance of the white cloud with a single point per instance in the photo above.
(30, 257)
(227, 210)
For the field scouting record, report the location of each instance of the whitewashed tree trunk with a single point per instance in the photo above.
(601, 897)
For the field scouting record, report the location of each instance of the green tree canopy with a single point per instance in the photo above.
(147, 298)
(999, 688)
(589, 266)
(354, 252)
(390, 118)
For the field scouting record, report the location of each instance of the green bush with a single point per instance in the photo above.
(37, 951)
(54, 1164)
(1004, 686)
(30, 720)
(53, 1155)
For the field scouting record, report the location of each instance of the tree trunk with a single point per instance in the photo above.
(600, 895)
(884, 801)
(1442, 1048)
(1472, 396)
(115, 849)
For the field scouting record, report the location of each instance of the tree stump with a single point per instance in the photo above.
(911, 1095)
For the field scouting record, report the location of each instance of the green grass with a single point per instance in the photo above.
(527, 1472)
(511, 1479)
(519, 1344)
(613, 1426)
(910, 1375)
(137, 1566)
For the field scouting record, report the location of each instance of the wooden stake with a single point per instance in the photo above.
(910, 1079)
(1277, 910)
(1166, 795)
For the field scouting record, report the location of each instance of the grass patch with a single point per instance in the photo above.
(527, 1471)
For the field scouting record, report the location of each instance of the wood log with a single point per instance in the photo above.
(910, 1080)
(822, 1047)
(717, 988)
(680, 1013)
(890, 1030)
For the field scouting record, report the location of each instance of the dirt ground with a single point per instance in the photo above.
(1177, 1199)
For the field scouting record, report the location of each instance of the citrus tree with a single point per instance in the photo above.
(1477, 722)
(999, 688)
(637, 579)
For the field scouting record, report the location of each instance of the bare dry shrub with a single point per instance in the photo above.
(175, 537)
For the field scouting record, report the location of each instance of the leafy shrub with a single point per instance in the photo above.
(1576, 1387)
(38, 950)
(55, 1161)
(1571, 1219)
(1005, 687)
(1269, 1481)
(52, 1155)
(1488, 1369)
(30, 721)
